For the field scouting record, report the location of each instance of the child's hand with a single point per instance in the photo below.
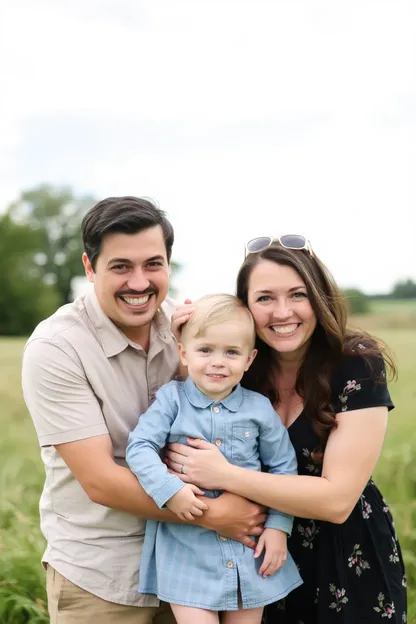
(185, 504)
(274, 542)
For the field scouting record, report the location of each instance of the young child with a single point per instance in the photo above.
(199, 572)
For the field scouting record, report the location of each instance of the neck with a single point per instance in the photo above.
(139, 335)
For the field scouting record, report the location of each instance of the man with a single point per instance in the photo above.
(89, 371)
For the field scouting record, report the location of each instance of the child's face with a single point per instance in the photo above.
(217, 360)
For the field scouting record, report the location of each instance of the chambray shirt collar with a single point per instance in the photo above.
(198, 399)
(112, 338)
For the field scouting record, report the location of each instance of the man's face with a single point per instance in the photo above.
(131, 280)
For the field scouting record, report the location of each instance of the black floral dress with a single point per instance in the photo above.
(352, 572)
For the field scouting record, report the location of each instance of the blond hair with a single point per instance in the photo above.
(214, 310)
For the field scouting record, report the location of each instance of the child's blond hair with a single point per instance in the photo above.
(214, 310)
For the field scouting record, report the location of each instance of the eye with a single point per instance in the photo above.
(156, 264)
(119, 267)
(233, 352)
(300, 295)
(204, 350)
(263, 298)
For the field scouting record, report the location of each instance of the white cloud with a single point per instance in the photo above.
(245, 118)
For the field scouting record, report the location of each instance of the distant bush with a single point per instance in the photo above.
(357, 301)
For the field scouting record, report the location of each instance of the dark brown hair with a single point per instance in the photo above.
(122, 215)
(330, 340)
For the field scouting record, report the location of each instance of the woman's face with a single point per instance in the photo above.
(279, 303)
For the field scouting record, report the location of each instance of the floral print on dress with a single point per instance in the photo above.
(365, 507)
(311, 467)
(356, 561)
(352, 386)
(394, 557)
(340, 598)
(308, 533)
(385, 609)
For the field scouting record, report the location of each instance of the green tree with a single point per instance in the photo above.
(25, 299)
(357, 301)
(404, 290)
(54, 214)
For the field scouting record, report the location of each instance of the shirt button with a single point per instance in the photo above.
(216, 409)
(223, 539)
(230, 564)
(218, 442)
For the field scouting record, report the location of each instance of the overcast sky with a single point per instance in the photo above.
(241, 118)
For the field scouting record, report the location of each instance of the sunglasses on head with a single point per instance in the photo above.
(289, 241)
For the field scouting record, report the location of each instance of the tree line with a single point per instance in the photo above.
(40, 255)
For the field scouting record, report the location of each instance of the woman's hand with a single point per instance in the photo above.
(180, 317)
(201, 463)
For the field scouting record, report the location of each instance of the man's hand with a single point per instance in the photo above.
(185, 504)
(235, 517)
(274, 543)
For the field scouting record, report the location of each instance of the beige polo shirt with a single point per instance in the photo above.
(82, 378)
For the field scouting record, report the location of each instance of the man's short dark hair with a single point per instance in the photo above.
(122, 215)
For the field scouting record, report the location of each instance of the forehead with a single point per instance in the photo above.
(235, 332)
(267, 275)
(134, 247)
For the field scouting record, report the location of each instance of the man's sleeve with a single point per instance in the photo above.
(58, 396)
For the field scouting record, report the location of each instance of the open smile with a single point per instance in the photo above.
(285, 330)
(136, 301)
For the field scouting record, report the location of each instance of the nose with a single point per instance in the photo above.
(217, 361)
(138, 280)
(282, 309)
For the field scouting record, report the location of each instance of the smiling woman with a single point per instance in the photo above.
(328, 385)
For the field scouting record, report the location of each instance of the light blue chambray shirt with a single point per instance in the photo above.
(190, 565)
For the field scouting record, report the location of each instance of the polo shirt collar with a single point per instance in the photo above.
(198, 399)
(112, 338)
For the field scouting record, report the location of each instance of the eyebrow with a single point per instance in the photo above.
(267, 291)
(128, 261)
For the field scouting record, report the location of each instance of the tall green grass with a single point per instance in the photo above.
(22, 590)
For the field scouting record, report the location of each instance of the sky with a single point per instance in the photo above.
(241, 118)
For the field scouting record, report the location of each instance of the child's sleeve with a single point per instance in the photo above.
(278, 456)
(145, 443)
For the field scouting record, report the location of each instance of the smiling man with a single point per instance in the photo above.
(89, 371)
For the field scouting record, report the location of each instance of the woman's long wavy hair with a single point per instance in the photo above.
(329, 342)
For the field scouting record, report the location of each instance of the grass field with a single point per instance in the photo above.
(22, 596)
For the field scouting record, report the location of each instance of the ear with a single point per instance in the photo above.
(89, 271)
(182, 354)
(250, 359)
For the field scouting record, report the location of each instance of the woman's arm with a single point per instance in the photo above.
(350, 456)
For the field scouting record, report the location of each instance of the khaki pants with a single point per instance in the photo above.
(69, 604)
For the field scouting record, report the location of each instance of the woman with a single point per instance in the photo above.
(328, 385)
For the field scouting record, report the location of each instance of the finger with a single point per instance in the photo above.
(187, 301)
(178, 459)
(259, 548)
(182, 477)
(196, 490)
(200, 444)
(280, 561)
(201, 505)
(257, 530)
(271, 568)
(196, 512)
(180, 449)
(266, 562)
(260, 519)
(188, 515)
(247, 541)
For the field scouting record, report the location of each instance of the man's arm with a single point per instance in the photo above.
(67, 415)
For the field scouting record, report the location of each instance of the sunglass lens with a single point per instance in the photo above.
(258, 244)
(293, 241)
